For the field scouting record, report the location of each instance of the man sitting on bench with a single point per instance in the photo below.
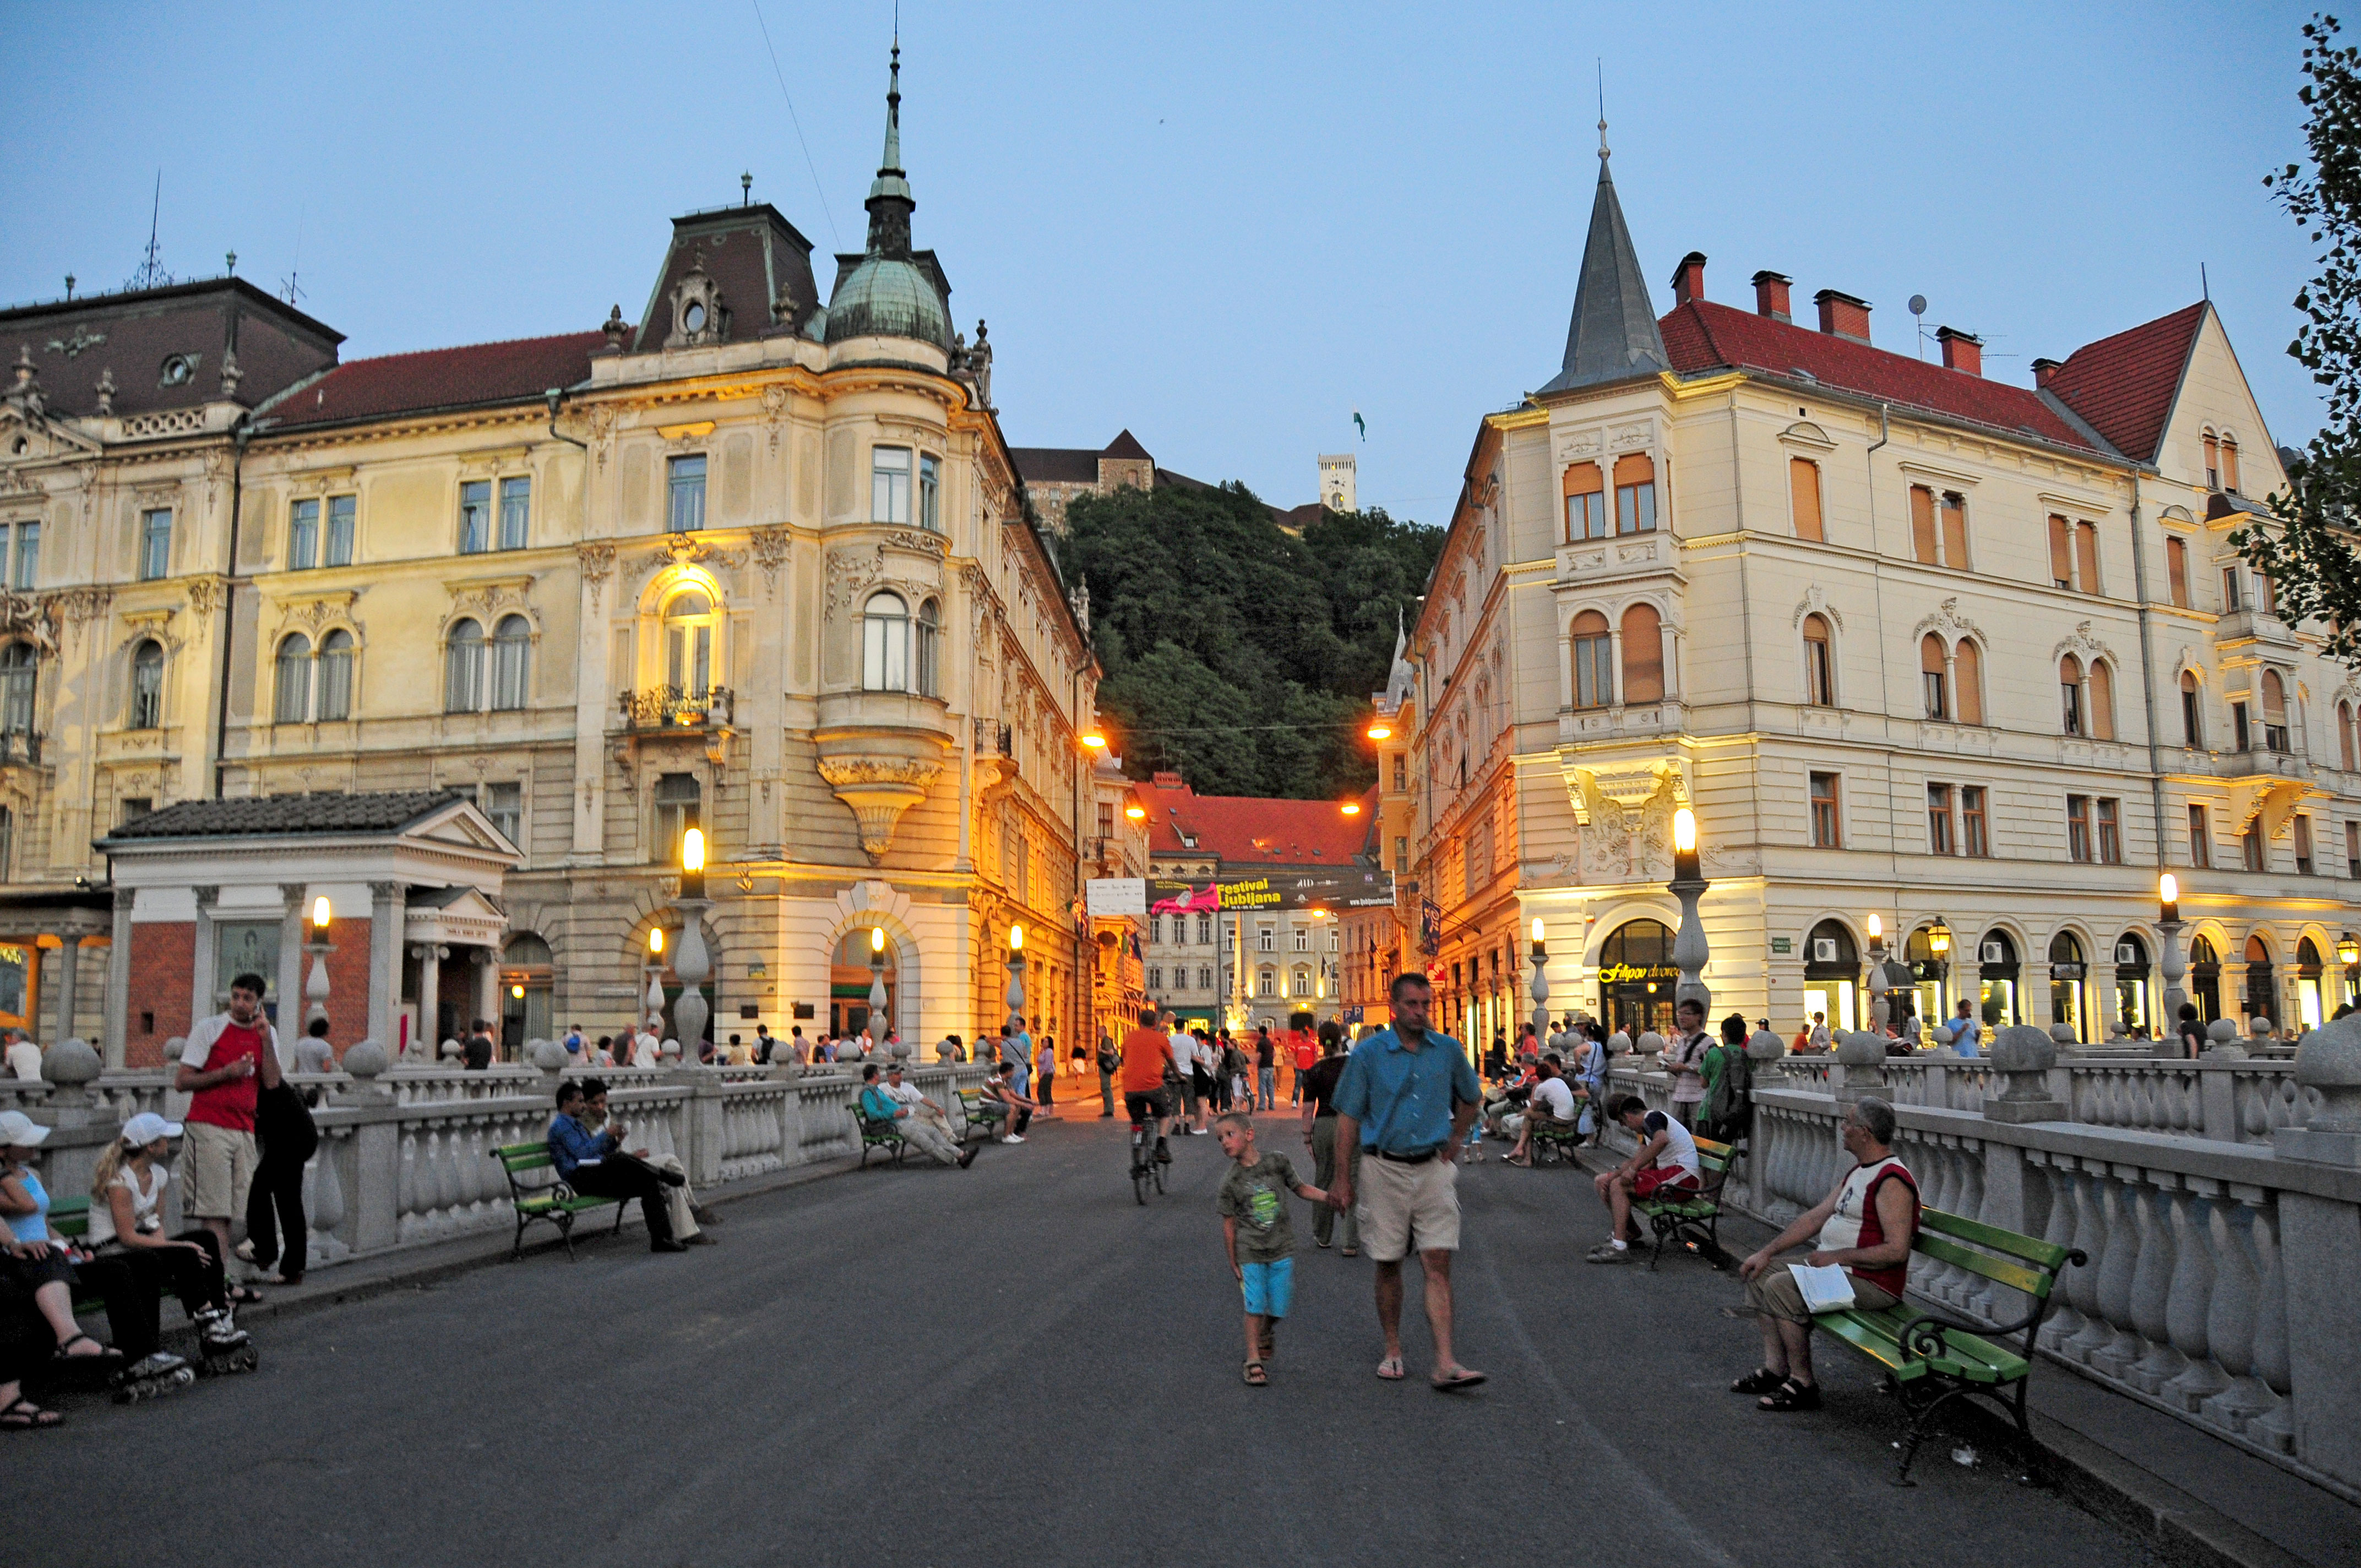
(916, 1120)
(1664, 1168)
(1865, 1227)
(1552, 1101)
(594, 1166)
(1015, 1106)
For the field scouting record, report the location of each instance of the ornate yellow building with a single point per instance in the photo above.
(753, 561)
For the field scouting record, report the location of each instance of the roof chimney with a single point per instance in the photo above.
(1842, 315)
(1688, 278)
(2043, 370)
(1771, 296)
(1962, 350)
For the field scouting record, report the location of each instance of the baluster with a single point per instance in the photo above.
(405, 1214)
(326, 1208)
(474, 1167)
(2063, 1322)
(2188, 1300)
(446, 1177)
(2275, 1426)
(2152, 1283)
(2095, 1219)
(2231, 1315)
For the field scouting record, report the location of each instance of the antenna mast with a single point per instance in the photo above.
(151, 273)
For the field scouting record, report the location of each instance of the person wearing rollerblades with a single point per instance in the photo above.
(228, 1056)
(132, 1259)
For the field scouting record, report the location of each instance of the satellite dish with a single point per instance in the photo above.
(1917, 304)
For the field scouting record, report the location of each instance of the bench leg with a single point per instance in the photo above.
(621, 1209)
(564, 1224)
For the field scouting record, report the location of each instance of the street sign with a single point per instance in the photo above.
(1111, 898)
(1782, 944)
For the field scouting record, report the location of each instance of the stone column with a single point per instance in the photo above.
(487, 987)
(69, 974)
(118, 982)
(2023, 1055)
(290, 980)
(430, 995)
(201, 984)
(388, 911)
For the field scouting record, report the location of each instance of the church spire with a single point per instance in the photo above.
(1613, 334)
(890, 203)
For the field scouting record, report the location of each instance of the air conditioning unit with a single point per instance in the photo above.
(1993, 953)
(1824, 949)
(2127, 953)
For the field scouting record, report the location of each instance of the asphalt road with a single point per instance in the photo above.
(1018, 1365)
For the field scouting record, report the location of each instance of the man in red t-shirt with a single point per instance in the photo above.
(227, 1055)
(1303, 1051)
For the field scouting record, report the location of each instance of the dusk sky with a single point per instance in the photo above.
(1224, 227)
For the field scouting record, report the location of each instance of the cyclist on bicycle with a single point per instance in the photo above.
(1146, 1053)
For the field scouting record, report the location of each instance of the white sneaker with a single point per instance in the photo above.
(1010, 1138)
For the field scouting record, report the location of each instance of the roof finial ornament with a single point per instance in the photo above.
(1602, 109)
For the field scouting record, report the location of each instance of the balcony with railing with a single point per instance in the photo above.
(21, 749)
(663, 709)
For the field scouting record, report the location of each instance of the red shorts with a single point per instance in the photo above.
(1666, 1179)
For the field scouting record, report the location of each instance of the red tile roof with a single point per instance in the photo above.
(473, 375)
(1702, 335)
(2124, 385)
(1253, 830)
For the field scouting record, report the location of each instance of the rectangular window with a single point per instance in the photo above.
(2176, 570)
(1155, 977)
(1204, 978)
(2267, 597)
(1803, 490)
(1635, 494)
(1401, 776)
(1828, 826)
(1938, 819)
(1402, 856)
(2233, 598)
(1594, 675)
(302, 535)
(155, 544)
(2241, 735)
(2251, 847)
(686, 481)
(2200, 838)
(1204, 930)
(1106, 819)
(930, 493)
(26, 573)
(2111, 832)
(504, 803)
(2061, 551)
(1265, 940)
(516, 512)
(2303, 844)
(2078, 828)
(2086, 556)
(1955, 531)
(340, 530)
(136, 806)
(1937, 702)
(889, 484)
(2192, 717)
(1973, 837)
(2353, 850)
(1586, 516)
(1922, 524)
(475, 516)
(677, 800)
(1820, 678)
(1302, 942)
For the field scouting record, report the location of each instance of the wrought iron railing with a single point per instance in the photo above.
(674, 707)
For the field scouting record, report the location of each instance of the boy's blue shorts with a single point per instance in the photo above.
(1269, 1287)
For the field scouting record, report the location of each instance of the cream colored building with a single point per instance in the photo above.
(756, 561)
(1916, 645)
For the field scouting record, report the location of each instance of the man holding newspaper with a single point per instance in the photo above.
(1861, 1235)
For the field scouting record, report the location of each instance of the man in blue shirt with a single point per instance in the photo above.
(594, 1166)
(1408, 1097)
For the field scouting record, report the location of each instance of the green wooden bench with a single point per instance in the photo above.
(877, 1134)
(980, 1115)
(1931, 1360)
(1547, 1139)
(1694, 1220)
(552, 1200)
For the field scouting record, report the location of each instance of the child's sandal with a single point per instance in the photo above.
(1256, 1376)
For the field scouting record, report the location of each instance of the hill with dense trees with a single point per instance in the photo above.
(1237, 654)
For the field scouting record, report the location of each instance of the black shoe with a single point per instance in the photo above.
(672, 1179)
(703, 1215)
(667, 1244)
(967, 1159)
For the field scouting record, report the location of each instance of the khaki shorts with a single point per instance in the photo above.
(1773, 1294)
(1405, 1205)
(217, 1168)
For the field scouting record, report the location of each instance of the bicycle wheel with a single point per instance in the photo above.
(1156, 1169)
(1139, 1178)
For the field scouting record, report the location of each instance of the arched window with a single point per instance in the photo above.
(1643, 654)
(2192, 711)
(930, 626)
(2212, 462)
(2343, 735)
(885, 644)
(1934, 677)
(1804, 492)
(1594, 661)
(146, 687)
(526, 950)
(336, 674)
(1968, 681)
(293, 704)
(463, 668)
(688, 623)
(2262, 996)
(1820, 664)
(511, 662)
(1586, 502)
(2070, 694)
(1635, 494)
(2274, 729)
(19, 663)
(2229, 462)
(2102, 699)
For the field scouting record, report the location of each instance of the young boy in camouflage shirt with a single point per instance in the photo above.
(1258, 1235)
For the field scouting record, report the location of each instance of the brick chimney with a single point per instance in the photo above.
(1688, 278)
(2043, 370)
(1771, 296)
(1842, 315)
(1962, 350)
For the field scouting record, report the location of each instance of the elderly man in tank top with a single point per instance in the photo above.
(1865, 1227)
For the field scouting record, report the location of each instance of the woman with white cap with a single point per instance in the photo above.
(41, 1259)
(134, 1259)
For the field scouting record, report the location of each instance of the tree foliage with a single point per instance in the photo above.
(2308, 544)
(1237, 654)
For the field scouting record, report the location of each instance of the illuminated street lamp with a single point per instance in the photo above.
(1351, 809)
(1690, 950)
(1380, 730)
(1880, 1009)
(2169, 963)
(880, 1019)
(653, 998)
(1541, 981)
(2348, 953)
(1015, 997)
(316, 988)
(693, 964)
(1094, 741)
(1135, 811)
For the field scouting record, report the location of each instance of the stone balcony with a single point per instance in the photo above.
(654, 714)
(881, 751)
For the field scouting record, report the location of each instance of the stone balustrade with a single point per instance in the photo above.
(2235, 1101)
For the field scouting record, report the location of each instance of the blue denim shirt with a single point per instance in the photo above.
(1402, 1098)
(571, 1144)
(878, 1105)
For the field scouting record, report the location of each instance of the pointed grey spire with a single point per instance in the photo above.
(1613, 334)
(890, 203)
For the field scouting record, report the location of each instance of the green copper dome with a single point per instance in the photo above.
(889, 293)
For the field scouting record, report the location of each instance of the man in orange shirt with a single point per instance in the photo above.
(1146, 1052)
(1303, 1053)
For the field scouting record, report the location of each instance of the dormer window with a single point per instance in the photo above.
(178, 371)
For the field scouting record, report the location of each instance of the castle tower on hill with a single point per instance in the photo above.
(1337, 490)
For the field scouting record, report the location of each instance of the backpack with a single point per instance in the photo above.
(1731, 1112)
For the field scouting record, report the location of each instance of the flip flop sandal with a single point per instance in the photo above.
(1256, 1376)
(1790, 1396)
(243, 1295)
(1391, 1369)
(1762, 1380)
(1460, 1378)
(105, 1352)
(1269, 1346)
(27, 1416)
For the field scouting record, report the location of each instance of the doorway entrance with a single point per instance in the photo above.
(1636, 976)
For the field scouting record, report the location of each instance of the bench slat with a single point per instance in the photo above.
(2034, 1282)
(2051, 1255)
(1968, 1356)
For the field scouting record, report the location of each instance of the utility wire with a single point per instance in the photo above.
(798, 123)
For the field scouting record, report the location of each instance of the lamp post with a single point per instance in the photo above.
(652, 998)
(316, 988)
(693, 964)
(2348, 953)
(880, 1019)
(1541, 981)
(1690, 950)
(2169, 963)
(1015, 997)
(1880, 1009)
